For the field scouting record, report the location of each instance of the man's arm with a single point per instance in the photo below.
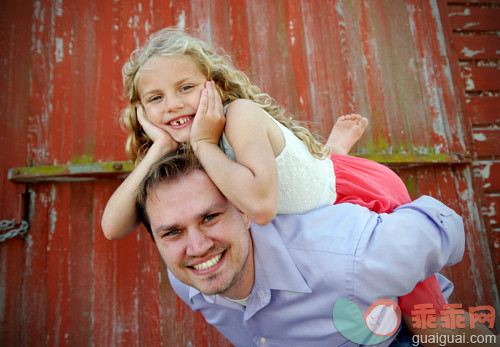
(414, 242)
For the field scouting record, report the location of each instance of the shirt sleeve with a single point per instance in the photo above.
(398, 250)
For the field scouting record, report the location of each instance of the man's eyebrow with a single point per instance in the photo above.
(166, 227)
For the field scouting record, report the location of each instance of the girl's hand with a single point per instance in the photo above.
(209, 121)
(155, 133)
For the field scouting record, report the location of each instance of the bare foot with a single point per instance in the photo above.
(346, 132)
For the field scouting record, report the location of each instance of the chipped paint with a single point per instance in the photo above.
(181, 21)
(471, 25)
(465, 12)
(58, 8)
(469, 84)
(59, 53)
(479, 137)
(470, 53)
(483, 171)
(290, 29)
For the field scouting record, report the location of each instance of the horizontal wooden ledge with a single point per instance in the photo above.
(71, 172)
(120, 169)
(418, 159)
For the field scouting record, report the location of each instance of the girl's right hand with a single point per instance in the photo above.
(155, 133)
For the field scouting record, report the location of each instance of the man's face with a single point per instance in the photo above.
(203, 239)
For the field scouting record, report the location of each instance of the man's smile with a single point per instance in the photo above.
(210, 265)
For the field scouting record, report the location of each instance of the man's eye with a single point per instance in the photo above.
(211, 217)
(172, 233)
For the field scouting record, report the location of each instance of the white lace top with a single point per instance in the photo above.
(305, 182)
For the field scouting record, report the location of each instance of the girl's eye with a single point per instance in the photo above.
(155, 98)
(186, 88)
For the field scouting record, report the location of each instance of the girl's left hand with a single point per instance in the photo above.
(209, 120)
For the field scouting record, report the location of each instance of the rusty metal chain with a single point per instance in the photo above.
(10, 224)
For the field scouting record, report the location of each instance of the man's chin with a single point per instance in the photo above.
(215, 289)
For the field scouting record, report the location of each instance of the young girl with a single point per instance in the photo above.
(262, 161)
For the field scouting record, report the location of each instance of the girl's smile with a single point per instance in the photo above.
(181, 122)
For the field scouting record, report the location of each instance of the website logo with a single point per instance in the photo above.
(380, 321)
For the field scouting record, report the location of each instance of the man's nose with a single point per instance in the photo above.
(198, 243)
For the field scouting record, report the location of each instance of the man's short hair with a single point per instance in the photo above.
(172, 166)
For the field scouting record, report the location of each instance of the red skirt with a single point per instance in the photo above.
(375, 186)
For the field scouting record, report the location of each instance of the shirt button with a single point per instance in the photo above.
(263, 340)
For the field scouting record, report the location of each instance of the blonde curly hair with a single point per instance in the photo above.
(231, 83)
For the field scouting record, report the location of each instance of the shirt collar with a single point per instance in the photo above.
(273, 259)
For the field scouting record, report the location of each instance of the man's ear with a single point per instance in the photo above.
(246, 220)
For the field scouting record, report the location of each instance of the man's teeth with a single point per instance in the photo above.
(181, 121)
(209, 263)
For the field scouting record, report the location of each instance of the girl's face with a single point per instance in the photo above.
(170, 90)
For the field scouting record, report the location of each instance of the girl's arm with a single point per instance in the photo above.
(250, 183)
(120, 217)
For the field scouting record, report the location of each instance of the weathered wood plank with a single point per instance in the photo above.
(57, 277)
(151, 321)
(454, 185)
(40, 95)
(297, 15)
(471, 18)
(477, 47)
(238, 40)
(484, 110)
(366, 91)
(486, 141)
(114, 286)
(110, 35)
(430, 124)
(15, 54)
(447, 73)
(269, 53)
(80, 253)
(34, 270)
(481, 78)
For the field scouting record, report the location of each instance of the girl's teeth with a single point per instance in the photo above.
(181, 121)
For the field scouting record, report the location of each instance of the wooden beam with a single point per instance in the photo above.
(71, 172)
(120, 169)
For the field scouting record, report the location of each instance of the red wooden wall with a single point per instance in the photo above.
(393, 61)
(475, 32)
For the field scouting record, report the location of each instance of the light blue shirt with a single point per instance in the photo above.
(304, 263)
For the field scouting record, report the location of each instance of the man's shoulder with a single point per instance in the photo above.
(335, 228)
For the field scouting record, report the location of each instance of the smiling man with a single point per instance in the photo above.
(278, 284)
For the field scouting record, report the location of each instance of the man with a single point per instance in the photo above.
(278, 284)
